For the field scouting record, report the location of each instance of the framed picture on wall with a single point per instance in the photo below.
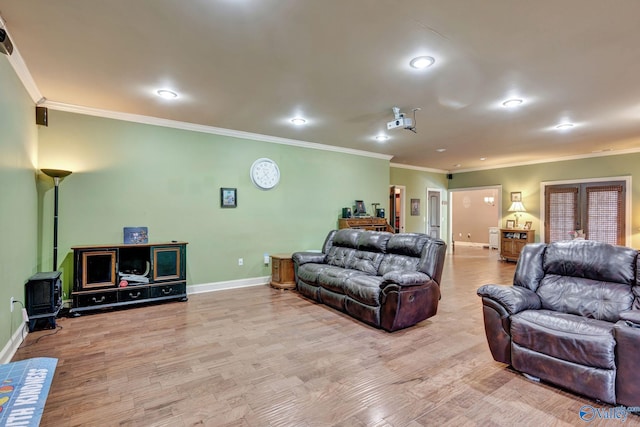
(228, 198)
(415, 207)
(511, 224)
(516, 196)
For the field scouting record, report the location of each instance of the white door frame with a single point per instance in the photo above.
(403, 192)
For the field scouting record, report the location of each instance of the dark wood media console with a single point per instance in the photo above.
(152, 272)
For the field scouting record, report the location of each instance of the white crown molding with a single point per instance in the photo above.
(418, 168)
(551, 160)
(136, 118)
(20, 68)
(230, 284)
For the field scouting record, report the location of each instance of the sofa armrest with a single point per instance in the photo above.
(627, 334)
(631, 318)
(405, 278)
(514, 299)
(300, 258)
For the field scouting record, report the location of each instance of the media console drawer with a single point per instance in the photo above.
(168, 290)
(96, 298)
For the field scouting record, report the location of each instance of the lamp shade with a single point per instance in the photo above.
(56, 173)
(517, 207)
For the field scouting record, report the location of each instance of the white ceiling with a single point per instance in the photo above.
(251, 65)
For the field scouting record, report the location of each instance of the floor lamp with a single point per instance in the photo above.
(56, 174)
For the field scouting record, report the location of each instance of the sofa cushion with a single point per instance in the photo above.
(393, 262)
(339, 256)
(367, 262)
(309, 272)
(334, 278)
(409, 244)
(591, 260)
(347, 237)
(585, 297)
(576, 339)
(374, 241)
(364, 289)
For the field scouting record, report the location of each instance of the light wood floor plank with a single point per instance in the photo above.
(260, 357)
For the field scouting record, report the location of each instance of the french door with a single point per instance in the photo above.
(596, 209)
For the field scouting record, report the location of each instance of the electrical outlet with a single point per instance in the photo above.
(12, 304)
(266, 258)
(468, 235)
(240, 261)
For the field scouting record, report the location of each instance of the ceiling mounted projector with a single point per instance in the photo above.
(5, 44)
(401, 121)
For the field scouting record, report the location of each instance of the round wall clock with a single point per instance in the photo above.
(265, 174)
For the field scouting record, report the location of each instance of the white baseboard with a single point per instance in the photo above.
(473, 244)
(230, 284)
(12, 346)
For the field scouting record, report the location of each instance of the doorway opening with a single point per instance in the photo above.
(396, 207)
(475, 216)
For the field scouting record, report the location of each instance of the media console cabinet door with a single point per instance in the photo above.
(98, 269)
(167, 263)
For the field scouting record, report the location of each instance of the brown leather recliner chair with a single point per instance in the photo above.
(572, 318)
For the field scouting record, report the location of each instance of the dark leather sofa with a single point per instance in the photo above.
(571, 318)
(391, 281)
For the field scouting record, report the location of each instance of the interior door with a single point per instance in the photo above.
(433, 214)
(392, 208)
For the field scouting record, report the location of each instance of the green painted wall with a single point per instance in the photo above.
(130, 174)
(18, 206)
(416, 183)
(528, 178)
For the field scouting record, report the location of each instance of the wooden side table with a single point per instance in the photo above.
(282, 276)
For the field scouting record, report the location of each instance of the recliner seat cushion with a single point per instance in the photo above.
(364, 289)
(576, 339)
(309, 272)
(334, 278)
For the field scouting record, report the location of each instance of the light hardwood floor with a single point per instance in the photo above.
(263, 357)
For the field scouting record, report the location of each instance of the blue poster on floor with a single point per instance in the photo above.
(24, 387)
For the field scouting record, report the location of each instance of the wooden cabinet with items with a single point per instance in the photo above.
(512, 242)
(366, 223)
(282, 276)
(122, 275)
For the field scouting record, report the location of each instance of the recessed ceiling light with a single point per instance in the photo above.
(483, 158)
(167, 94)
(422, 62)
(457, 165)
(564, 126)
(298, 121)
(510, 103)
(381, 138)
(441, 150)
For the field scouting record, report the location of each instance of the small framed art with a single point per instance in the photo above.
(228, 198)
(415, 207)
(527, 225)
(516, 196)
(511, 224)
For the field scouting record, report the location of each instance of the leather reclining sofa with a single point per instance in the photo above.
(571, 318)
(391, 281)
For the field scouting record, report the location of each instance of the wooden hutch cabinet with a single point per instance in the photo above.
(366, 223)
(152, 272)
(512, 242)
